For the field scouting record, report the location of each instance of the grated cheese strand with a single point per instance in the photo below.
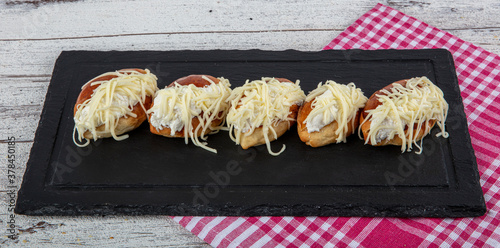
(262, 103)
(402, 107)
(112, 100)
(334, 102)
(175, 107)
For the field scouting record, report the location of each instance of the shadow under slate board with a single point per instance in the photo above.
(150, 174)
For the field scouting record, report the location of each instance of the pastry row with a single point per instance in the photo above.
(258, 112)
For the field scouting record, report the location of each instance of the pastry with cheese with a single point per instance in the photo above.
(112, 104)
(404, 112)
(190, 108)
(263, 110)
(330, 113)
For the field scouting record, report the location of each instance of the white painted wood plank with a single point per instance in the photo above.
(114, 17)
(462, 14)
(97, 18)
(15, 60)
(23, 90)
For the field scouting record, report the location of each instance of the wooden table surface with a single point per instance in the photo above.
(34, 32)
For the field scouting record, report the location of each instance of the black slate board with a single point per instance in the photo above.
(149, 174)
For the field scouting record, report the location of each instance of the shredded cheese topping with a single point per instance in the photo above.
(111, 100)
(403, 107)
(334, 102)
(175, 107)
(263, 103)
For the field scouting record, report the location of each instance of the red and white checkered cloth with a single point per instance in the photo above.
(479, 76)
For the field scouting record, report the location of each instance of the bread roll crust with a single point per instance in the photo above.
(125, 123)
(198, 81)
(373, 102)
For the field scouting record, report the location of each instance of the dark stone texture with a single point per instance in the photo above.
(150, 174)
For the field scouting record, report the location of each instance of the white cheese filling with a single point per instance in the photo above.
(387, 128)
(317, 122)
(334, 102)
(173, 120)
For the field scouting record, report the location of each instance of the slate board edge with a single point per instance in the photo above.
(208, 210)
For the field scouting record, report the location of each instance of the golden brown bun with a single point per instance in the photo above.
(197, 81)
(257, 137)
(124, 124)
(373, 102)
(325, 135)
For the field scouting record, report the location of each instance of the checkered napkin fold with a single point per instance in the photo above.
(479, 76)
